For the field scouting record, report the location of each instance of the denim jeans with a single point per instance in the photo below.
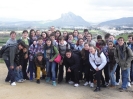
(31, 69)
(50, 68)
(112, 75)
(125, 77)
(11, 72)
(19, 74)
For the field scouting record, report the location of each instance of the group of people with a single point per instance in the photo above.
(82, 58)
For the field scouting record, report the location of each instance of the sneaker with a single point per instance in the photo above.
(76, 85)
(122, 89)
(20, 81)
(13, 84)
(47, 79)
(71, 82)
(97, 89)
(38, 81)
(128, 84)
(86, 83)
(107, 84)
(54, 83)
(92, 85)
(132, 83)
(117, 84)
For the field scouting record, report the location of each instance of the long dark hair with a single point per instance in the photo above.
(30, 33)
(97, 49)
(45, 46)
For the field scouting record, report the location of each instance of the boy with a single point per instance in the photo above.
(54, 42)
(123, 56)
(40, 65)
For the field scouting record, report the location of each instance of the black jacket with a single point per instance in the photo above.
(73, 62)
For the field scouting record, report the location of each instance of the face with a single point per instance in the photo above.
(40, 42)
(13, 36)
(49, 32)
(57, 34)
(75, 33)
(81, 42)
(34, 42)
(86, 47)
(68, 54)
(111, 38)
(25, 35)
(38, 33)
(39, 58)
(92, 50)
(25, 50)
(61, 42)
(88, 37)
(110, 45)
(52, 38)
(85, 33)
(20, 47)
(120, 42)
(65, 34)
(70, 37)
(44, 35)
(48, 42)
(99, 40)
(130, 39)
(33, 33)
(52, 28)
(80, 36)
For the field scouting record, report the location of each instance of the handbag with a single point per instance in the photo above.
(58, 58)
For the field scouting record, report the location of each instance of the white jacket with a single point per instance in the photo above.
(95, 60)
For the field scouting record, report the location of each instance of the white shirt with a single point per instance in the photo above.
(95, 60)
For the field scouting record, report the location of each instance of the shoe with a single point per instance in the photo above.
(104, 86)
(71, 82)
(132, 83)
(6, 80)
(76, 85)
(122, 89)
(107, 84)
(38, 81)
(97, 89)
(86, 83)
(117, 84)
(20, 81)
(54, 83)
(47, 79)
(43, 77)
(13, 84)
(128, 84)
(92, 85)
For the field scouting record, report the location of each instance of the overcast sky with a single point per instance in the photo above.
(90, 10)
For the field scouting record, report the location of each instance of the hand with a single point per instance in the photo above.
(11, 67)
(26, 56)
(50, 60)
(61, 62)
(69, 70)
(97, 69)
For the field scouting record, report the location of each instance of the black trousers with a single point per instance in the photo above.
(87, 72)
(106, 73)
(98, 77)
(117, 73)
(73, 75)
(61, 71)
(24, 68)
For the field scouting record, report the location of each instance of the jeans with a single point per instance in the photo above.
(106, 73)
(11, 72)
(31, 69)
(19, 74)
(51, 68)
(125, 77)
(112, 75)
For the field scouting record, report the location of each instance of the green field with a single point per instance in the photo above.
(125, 36)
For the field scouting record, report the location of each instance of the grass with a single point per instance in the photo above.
(1, 60)
(124, 35)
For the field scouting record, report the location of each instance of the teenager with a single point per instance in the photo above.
(50, 53)
(32, 36)
(80, 36)
(99, 38)
(75, 34)
(80, 44)
(44, 36)
(62, 47)
(65, 35)
(72, 63)
(54, 42)
(38, 34)
(89, 39)
(98, 61)
(85, 34)
(112, 63)
(57, 35)
(40, 65)
(86, 65)
(123, 56)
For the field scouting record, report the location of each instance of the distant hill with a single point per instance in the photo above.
(128, 21)
(68, 19)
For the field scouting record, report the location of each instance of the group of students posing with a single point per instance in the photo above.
(82, 58)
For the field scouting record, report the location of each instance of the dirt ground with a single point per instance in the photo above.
(31, 90)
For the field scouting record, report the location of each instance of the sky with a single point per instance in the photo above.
(90, 10)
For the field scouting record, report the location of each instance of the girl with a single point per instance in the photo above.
(112, 63)
(75, 34)
(80, 44)
(44, 36)
(98, 62)
(86, 65)
(50, 53)
(57, 35)
(65, 34)
(80, 36)
(32, 36)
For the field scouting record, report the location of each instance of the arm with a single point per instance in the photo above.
(56, 53)
(92, 63)
(116, 55)
(12, 55)
(104, 61)
(130, 55)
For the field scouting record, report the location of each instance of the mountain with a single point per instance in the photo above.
(69, 19)
(127, 21)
